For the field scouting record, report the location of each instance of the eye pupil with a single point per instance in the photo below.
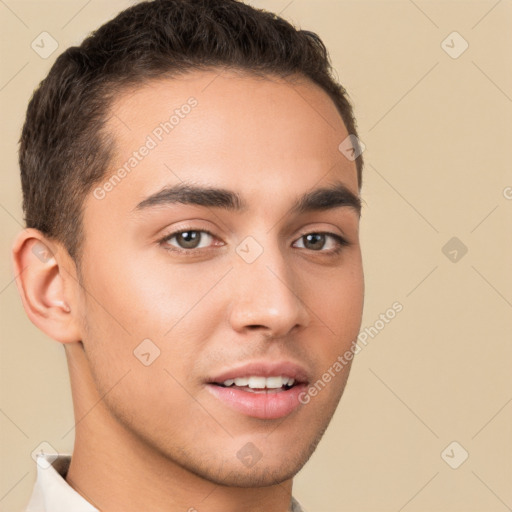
(315, 241)
(188, 239)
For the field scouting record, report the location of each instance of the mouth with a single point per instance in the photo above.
(259, 384)
(261, 390)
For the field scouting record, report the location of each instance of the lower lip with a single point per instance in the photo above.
(265, 406)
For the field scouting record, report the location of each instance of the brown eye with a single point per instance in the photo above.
(191, 239)
(314, 241)
(188, 239)
(321, 242)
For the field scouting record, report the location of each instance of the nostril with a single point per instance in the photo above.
(255, 327)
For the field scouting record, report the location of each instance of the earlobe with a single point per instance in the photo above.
(40, 278)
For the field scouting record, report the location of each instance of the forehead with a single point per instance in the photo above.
(229, 96)
(226, 128)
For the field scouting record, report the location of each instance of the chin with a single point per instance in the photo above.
(267, 471)
(260, 475)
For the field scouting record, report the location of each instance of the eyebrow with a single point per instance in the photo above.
(321, 199)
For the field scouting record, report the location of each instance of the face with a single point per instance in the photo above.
(223, 272)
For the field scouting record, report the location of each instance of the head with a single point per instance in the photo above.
(182, 175)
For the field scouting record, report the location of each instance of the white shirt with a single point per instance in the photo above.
(53, 494)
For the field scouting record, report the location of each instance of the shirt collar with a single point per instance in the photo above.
(296, 506)
(51, 491)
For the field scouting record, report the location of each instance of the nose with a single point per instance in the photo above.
(266, 297)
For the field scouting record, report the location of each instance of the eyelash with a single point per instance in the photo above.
(341, 242)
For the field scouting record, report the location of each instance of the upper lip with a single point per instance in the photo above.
(264, 369)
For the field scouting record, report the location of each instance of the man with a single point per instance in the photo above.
(191, 178)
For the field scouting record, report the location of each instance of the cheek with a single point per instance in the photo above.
(336, 301)
(145, 299)
(133, 308)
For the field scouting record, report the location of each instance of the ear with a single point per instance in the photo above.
(44, 271)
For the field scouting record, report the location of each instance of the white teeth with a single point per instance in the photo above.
(275, 382)
(257, 382)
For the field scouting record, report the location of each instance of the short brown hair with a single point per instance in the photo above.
(64, 150)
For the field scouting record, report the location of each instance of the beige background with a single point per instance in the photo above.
(438, 132)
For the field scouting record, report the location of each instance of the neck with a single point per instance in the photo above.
(115, 469)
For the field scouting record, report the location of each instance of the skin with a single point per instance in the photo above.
(152, 437)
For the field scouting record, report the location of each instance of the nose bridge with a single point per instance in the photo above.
(267, 291)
